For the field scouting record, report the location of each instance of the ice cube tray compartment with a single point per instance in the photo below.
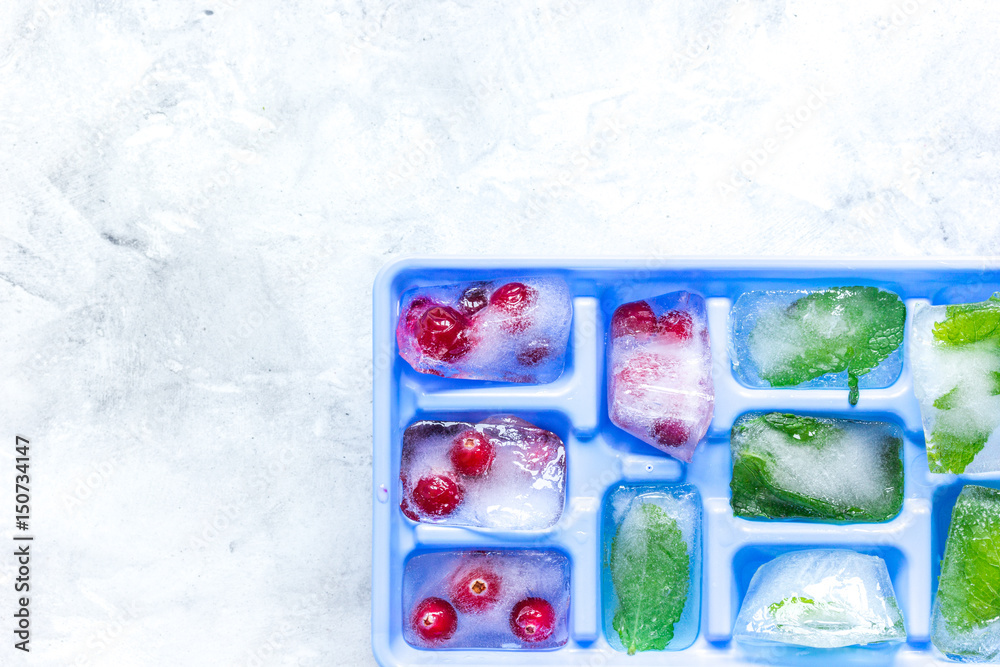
(600, 456)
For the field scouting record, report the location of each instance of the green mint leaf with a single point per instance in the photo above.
(969, 585)
(799, 427)
(947, 401)
(970, 322)
(650, 570)
(851, 329)
(953, 450)
(776, 607)
(756, 494)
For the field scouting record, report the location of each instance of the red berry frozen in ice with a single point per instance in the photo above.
(533, 353)
(641, 369)
(444, 334)
(438, 494)
(533, 620)
(472, 453)
(676, 323)
(514, 299)
(537, 449)
(634, 318)
(670, 432)
(475, 591)
(416, 309)
(473, 299)
(435, 620)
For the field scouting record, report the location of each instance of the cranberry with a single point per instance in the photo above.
(533, 620)
(533, 353)
(670, 432)
(437, 495)
(476, 591)
(443, 334)
(473, 299)
(514, 299)
(407, 511)
(435, 620)
(417, 308)
(472, 453)
(676, 323)
(633, 318)
(537, 450)
(642, 369)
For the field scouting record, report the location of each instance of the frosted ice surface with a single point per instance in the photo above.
(959, 394)
(521, 489)
(660, 372)
(507, 330)
(516, 574)
(823, 598)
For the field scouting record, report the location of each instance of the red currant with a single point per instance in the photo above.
(473, 299)
(472, 453)
(438, 494)
(435, 620)
(634, 318)
(514, 299)
(676, 323)
(533, 620)
(533, 353)
(443, 334)
(416, 309)
(670, 432)
(476, 591)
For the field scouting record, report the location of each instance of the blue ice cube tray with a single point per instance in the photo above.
(601, 456)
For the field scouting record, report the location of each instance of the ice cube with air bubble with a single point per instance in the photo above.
(660, 372)
(504, 330)
(501, 473)
(955, 352)
(514, 599)
(820, 598)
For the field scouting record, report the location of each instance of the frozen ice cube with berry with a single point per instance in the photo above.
(506, 330)
(660, 372)
(504, 599)
(501, 473)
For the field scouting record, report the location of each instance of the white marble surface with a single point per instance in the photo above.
(194, 206)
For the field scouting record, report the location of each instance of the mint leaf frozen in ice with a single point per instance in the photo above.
(964, 416)
(650, 572)
(970, 323)
(851, 329)
(968, 599)
(788, 466)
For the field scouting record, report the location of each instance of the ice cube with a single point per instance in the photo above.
(503, 599)
(500, 473)
(792, 466)
(652, 567)
(506, 330)
(966, 622)
(956, 378)
(818, 338)
(660, 372)
(823, 598)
